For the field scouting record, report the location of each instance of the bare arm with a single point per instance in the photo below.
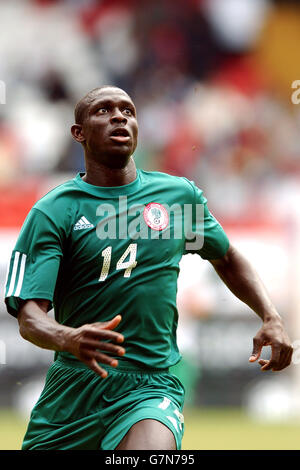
(243, 281)
(83, 342)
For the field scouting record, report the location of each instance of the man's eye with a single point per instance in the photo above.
(127, 111)
(102, 110)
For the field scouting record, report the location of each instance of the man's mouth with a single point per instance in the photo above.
(120, 135)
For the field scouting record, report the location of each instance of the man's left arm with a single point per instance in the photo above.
(243, 281)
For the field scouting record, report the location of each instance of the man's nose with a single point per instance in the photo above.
(117, 117)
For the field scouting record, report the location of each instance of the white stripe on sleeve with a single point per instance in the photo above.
(13, 275)
(21, 275)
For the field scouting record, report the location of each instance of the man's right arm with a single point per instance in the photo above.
(84, 342)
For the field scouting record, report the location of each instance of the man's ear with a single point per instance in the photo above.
(77, 133)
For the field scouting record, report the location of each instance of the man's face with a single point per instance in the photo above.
(110, 127)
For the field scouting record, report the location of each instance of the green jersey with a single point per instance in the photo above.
(95, 252)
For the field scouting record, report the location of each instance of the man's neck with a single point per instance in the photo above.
(100, 175)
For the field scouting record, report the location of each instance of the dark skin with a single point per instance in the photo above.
(108, 161)
(243, 281)
(108, 133)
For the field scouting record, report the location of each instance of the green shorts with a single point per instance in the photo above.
(78, 409)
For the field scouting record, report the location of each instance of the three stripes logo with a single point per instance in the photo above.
(82, 223)
(17, 275)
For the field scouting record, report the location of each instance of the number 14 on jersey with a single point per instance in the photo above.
(121, 264)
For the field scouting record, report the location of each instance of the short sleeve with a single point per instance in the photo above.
(210, 240)
(35, 261)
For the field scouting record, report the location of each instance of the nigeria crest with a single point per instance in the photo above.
(156, 216)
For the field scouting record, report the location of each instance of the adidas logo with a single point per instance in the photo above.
(82, 223)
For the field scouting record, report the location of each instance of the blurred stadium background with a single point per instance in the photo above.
(212, 82)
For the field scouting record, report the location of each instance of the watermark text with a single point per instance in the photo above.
(2, 92)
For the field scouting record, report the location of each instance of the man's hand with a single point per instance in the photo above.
(272, 334)
(87, 341)
(243, 281)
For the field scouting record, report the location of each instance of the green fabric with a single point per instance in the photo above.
(79, 410)
(58, 259)
(188, 370)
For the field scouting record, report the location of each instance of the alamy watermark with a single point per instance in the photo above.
(2, 352)
(151, 221)
(2, 92)
(296, 351)
(295, 96)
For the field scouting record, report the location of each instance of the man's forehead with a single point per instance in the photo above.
(109, 93)
(105, 93)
